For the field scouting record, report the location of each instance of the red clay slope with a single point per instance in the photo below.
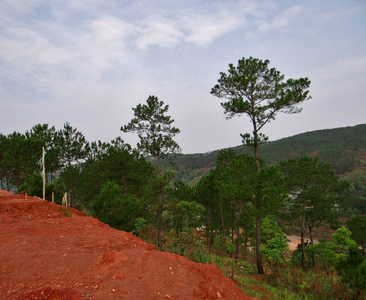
(48, 251)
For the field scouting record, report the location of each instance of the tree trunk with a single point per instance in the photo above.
(302, 240)
(237, 246)
(211, 228)
(259, 204)
(17, 179)
(258, 253)
(238, 232)
(123, 182)
(160, 244)
(7, 184)
(222, 222)
(311, 234)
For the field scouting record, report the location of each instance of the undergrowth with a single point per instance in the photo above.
(289, 283)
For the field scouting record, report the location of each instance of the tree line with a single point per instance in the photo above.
(238, 205)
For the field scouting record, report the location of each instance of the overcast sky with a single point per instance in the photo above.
(90, 62)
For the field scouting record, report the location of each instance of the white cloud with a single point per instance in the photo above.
(157, 30)
(281, 20)
(24, 52)
(45, 51)
(110, 29)
(101, 46)
(198, 28)
(204, 29)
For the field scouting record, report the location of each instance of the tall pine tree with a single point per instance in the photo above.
(255, 90)
(155, 131)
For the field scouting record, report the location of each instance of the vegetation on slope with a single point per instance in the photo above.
(116, 184)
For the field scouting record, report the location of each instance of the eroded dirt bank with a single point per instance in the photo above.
(48, 251)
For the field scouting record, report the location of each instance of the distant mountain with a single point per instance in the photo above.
(343, 148)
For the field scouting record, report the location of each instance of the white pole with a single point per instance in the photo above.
(44, 175)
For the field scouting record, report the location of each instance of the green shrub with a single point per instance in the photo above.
(296, 256)
(352, 268)
(139, 224)
(116, 208)
(222, 245)
(33, 185)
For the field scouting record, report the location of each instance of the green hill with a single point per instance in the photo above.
(343, 148)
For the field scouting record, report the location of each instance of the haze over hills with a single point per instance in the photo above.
(343, 148)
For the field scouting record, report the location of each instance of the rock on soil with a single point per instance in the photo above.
(48, 251)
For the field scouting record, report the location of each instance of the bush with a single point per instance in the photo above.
(296, 256)
(139, 224)
(33, 186)
(115, 208)
(58, 188)
(352, 268)
(222, 245)
(274, 250)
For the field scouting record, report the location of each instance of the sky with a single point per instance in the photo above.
(90, 62)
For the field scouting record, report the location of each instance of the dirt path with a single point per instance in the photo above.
(48, 251)
(295, 240)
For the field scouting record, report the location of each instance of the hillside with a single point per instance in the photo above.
(343, 148)
(53, 252)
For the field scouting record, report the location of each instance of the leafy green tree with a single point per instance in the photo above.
(235, 182)
(20, 158)
(33, 185)
(352, 268)
(325, 253)
(185, 212)
(119, 164)
(274, 246)
(274, 249)
(357, 225)
(307, 250)
(253, 89)
(46, 137)
(206, 193)
(116, 208)
(191, 213)
(97, 149)
(4, 170)
(159, 214)
(314, 188)
(73, 150)
(222, 179)
(20, 154)
(155, 131)
(342, 239)
(58, 188)
(270, 228)
(240, 182)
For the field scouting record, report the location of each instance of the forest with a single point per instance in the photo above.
(240, 210)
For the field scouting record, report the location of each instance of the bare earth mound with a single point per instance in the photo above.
(48, 251)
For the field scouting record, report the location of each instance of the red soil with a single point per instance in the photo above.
(48, 251)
